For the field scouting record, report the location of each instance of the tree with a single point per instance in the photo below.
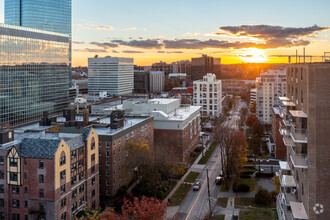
(144, 209)
(243, 115)
(263, 197)
(233, 147)
(251, 119)
(254, 145)
(277, 183)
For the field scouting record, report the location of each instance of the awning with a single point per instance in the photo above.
(288, 103)
(298, 114)
(288, 181)
(298, 210)
(284, 165)
(283, 98)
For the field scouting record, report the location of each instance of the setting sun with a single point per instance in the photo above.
(254, 55)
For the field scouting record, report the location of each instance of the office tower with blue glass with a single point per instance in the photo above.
(34, 66)
(48, 15)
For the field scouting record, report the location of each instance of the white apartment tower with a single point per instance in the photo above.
(114, 75)
(208, 94)
(270, 86)
(157, 81)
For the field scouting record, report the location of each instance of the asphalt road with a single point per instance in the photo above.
(196, 204)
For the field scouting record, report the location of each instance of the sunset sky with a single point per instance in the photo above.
(153, 30)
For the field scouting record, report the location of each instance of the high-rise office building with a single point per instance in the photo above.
(202, 65)
(208, 94)
(34, 67)
(270, 86)
(305, 128)
(113, 75)
(48, 15)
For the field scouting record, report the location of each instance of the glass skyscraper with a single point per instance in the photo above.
(49, 15)
(34, 77)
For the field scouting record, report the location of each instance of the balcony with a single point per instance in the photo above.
(284, 165)
(283, 211)
(283, 129)
(298, 135)
(282, 111)
(298, 210)
(287, 140)
(298, 160)
(287, 180)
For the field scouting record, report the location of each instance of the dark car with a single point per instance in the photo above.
(197, 186)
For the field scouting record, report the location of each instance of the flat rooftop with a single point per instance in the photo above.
(162, 101)
(183, 113)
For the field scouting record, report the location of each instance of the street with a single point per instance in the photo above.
(196, 204)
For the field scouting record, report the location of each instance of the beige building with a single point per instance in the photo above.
(305, 128)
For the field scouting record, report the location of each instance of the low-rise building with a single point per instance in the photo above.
(48, 175)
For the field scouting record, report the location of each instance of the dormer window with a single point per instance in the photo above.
(13, 162)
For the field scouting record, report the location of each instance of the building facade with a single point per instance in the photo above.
(202, 65)
(113, 75)
(280, 148)
(270, 86)
(32, 80)
(167, 68)
(176, 127)
(48, 175)
(141, 81)
(305, 130)
(157, 81)
(208, 95)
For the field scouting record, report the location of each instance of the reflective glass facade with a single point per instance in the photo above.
(34, 67)
(49, 15)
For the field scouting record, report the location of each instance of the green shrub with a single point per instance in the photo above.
(263, 197)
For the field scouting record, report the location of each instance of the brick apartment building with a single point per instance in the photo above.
(280, 148)
(48, 175)
(305, 127)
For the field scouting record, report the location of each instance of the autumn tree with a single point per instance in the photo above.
(255, 125)
(233, 147)
(138, 209)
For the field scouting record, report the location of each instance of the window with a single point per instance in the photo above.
(13, 162)
(25, 175)
(74, 193)
(63, 203)
(81, 201)
(93, 169)
(107, 144)
(41, 207)
(2, 162)
(73, 180)
(2, 175)
(73, 167)
(41, 178)
(2, 188)
(2, 203)
(63, 189)
(93, 205)
(93, 193)
(93, 181)
(25, 189)
(15, 216)
(13, 176)
(114, 152)
(41, 164)
(81, 188)
(93, 157)
(62, 160)
(15, 203)
(108, 154)
(63, 216)
(62, 174)
(15, 189)
(108, 164)
(108, 173)
(73, 207)
(81, 163)
(41, 193)
(81, 151)
(93, 146)
(73, 154)
(81, 176)
(26, 204)
(25, 161)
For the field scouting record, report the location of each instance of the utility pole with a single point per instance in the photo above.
(208, 190)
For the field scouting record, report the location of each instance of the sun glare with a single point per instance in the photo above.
(254, 55)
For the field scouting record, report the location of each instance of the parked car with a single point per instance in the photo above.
(197, 186)
(218, 180)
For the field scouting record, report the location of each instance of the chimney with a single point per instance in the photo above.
(6, 135)
(85, 117)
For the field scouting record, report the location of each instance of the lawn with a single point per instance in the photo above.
(180, 194)
(191, 177)
(207, 155)
(250, 202)
(219, 217)
(258, 214)
(222, 202)
(252, 183)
